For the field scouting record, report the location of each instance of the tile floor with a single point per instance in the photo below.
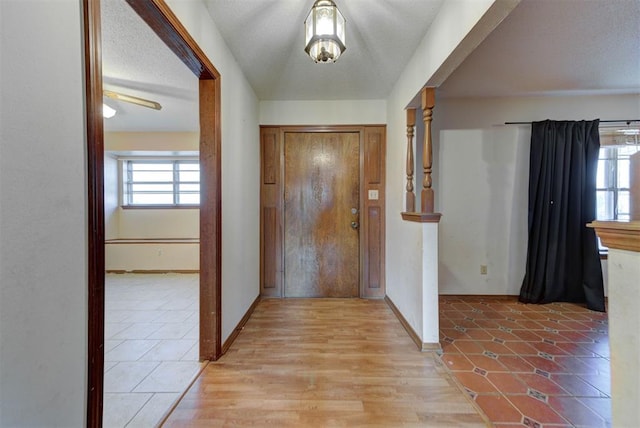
(529, 365)
(151, 345)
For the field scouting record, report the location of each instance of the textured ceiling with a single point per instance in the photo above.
(136, 62)
(554, 47)
(543, 47)
(267, 39)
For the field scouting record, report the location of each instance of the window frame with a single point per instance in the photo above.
(126, 182)
(611, 161)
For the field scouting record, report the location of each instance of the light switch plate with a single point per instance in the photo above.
(373, 195)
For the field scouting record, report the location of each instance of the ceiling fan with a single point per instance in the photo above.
(131, 99)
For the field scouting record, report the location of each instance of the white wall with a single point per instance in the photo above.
(152, 256)
(158, 224)
(240, 168)
(403, 239)
(43, 238)
(343, 112)
(477, 113)
(459, 26)
(482, 192)
(481, 182)
(111, 202)
(164, 225)
(156, 141)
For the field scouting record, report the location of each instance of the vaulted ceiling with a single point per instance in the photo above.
(544, 47)
(267, 39)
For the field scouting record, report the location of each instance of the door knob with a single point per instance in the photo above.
(354, 225)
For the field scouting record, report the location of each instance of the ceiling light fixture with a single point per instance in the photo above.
(324, 32)
(107, 112)
(131, 99)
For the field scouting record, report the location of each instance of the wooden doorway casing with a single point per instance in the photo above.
(372, 140)
(166, 25)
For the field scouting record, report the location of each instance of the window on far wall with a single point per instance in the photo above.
(164, 183)
(612, 185)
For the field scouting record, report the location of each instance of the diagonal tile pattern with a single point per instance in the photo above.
(529, 365)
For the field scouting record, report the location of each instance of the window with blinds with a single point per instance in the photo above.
(165, 183)
(613, 183)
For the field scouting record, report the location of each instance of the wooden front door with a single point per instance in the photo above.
(322, 202)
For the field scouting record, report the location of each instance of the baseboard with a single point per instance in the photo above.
(492, 296)
(482, 296)
(422, 346)
(236, 331)
(120, 271)
(126, 241)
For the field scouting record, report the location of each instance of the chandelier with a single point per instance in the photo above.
(324, 32)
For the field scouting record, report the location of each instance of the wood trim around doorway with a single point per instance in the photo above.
(166, 25)
(95, 210)
(372, 211)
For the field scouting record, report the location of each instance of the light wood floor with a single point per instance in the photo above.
(324, 363)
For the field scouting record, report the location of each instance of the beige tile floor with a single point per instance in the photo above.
(151, 345)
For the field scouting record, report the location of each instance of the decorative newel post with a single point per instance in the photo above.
(411, 197)
(428, 102)
(425, 213)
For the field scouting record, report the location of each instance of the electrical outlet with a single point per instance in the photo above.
(483, 269)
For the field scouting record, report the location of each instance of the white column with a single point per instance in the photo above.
(430, 329)
(624, 336)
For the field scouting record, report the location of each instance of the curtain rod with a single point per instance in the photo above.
(627, 121)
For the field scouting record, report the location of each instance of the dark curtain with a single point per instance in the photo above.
(563, 263)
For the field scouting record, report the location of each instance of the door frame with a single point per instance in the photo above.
(372, 212)
(160, 18)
